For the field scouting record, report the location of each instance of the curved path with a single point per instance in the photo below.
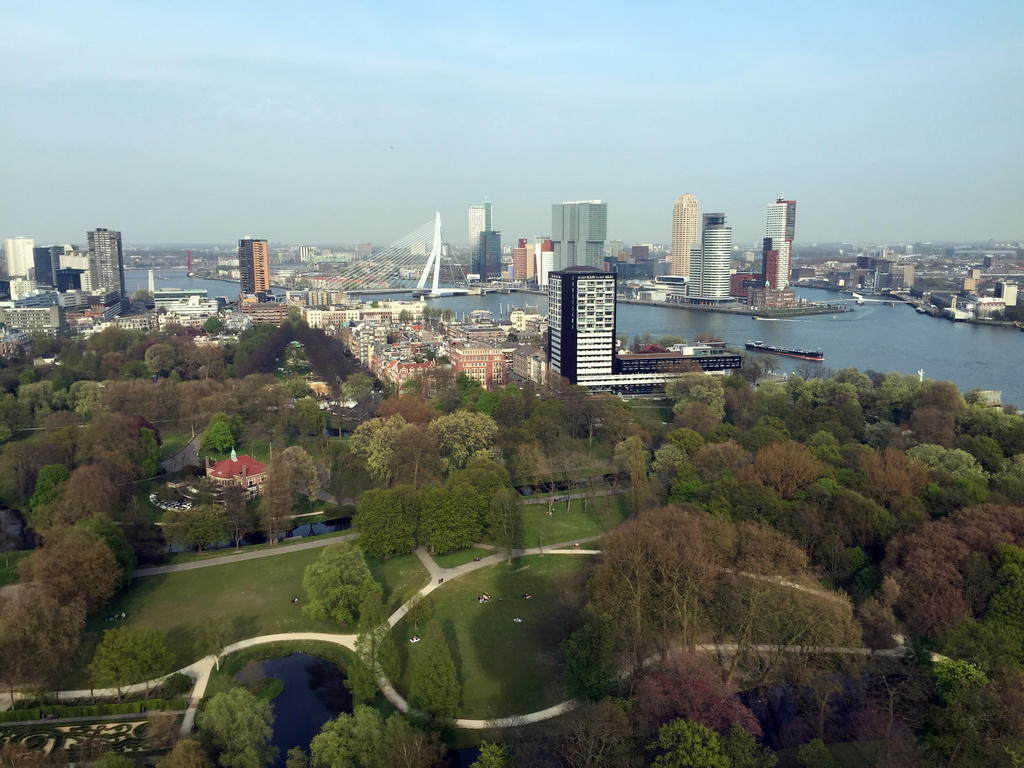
(201, 670)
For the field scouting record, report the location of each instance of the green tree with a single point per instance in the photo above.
(239, 727)
(740, 746)
(691, 388)
(336, 583)
(387, 520)
(220, 434)
(683, 744)
(631, 457)
(120, 547)
(187, 753)
(505, 520)
(197, 528)
(309, 417)
(50, 486)
(213, 324)
(114, 760)
(358, 740)
(590, 661)
(357, 386)
(435, 687)
(460, 435)
(376, 654)
(492, 756)
(815, 754)
(161, 358)
(375, 442)
(129, 655)
(450, 518)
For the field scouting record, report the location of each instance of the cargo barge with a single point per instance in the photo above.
(803, 354)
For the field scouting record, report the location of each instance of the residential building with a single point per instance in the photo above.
(522, 264)
(581, 319)
(484, 363)
(777, 246)
(711, 261)
(19, 255)
(544, 258)
(263, 312)
(685, 233)
(578, 232)
(106, 261)
(43, 270)
(243, 471)
(1007, 292)
(254, 265)
(479, 221)
(48, 321)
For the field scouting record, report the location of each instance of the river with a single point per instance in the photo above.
(875, 337)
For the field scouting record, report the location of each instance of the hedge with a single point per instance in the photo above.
(93, 710)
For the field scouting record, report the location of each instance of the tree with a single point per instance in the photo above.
(785, 467)
(683, 744)
(597, 736)
(290, 472)
(129, 655)
(419, 609)
(197, 528)
(239, 727)
(187, 753)
(435, 687)
(631, 457)
(492, 756)
(460, 435)
(220, 433)
(505, 521)
(114, 536)
(50, 486)
(357, 386)
(358, 739)
(740, 746)
(38, 635)
(691, 388)
(296, 758)
(336, 583)
(212, 637)
(238, 516)
(387, 520)
(212, 325)
(375, 442)
(74, 566)
(114, 760)
(309, 417)
(815, 754)
(451, 518)
(376, 653)
(89, 491)
(590, 662)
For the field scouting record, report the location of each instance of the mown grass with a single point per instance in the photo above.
(9, 566)
(602, 514)
(505, 667)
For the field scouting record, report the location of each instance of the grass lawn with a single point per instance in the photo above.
(9, 573)
(505, 667)
(460, 557)
(172, 443)
(402, 577)
(603, 513)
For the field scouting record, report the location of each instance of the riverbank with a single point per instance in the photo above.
(773, 314)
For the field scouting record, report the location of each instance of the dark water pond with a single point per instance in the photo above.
(314, 692)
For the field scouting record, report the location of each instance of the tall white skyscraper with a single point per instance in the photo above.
(777, 249)
(578, 231)
(479, 221)
(19, 256)
(685, 232)
(712, 260)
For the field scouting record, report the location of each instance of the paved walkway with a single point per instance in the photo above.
(237, 556)
(201, 670)
(187, 456)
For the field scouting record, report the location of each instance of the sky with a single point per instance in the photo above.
(327, 122)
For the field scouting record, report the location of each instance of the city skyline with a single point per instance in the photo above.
(305, 122)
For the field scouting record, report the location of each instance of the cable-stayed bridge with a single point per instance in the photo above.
(411, 263)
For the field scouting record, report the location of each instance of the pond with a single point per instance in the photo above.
(314, 692)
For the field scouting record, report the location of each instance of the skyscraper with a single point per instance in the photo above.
(579, 230)
(479, 221)
(713, 259)
(685, 232)
(488, 255)
(106, 261)
(777, 248)
(44, 270)
(19, 255)
(581, 317)
(254, 265)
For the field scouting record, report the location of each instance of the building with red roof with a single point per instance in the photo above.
(243, 471)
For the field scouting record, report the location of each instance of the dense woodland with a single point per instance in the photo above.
(798, 525)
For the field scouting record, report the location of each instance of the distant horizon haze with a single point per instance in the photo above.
(322, 122)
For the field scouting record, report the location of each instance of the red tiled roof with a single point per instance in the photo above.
(228, 468)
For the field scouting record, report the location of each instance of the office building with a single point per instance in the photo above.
(106, 261)
(48, 320)
(487, 262)
(581, 319)
(69, 279)
(685, 233)
(19, 255)
(521, 262)
(711, 260)
(544, 258)
(479, 221)
(578, 231)
(44, 271)
(1007, 292)
(777, 247)
(254, 265)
